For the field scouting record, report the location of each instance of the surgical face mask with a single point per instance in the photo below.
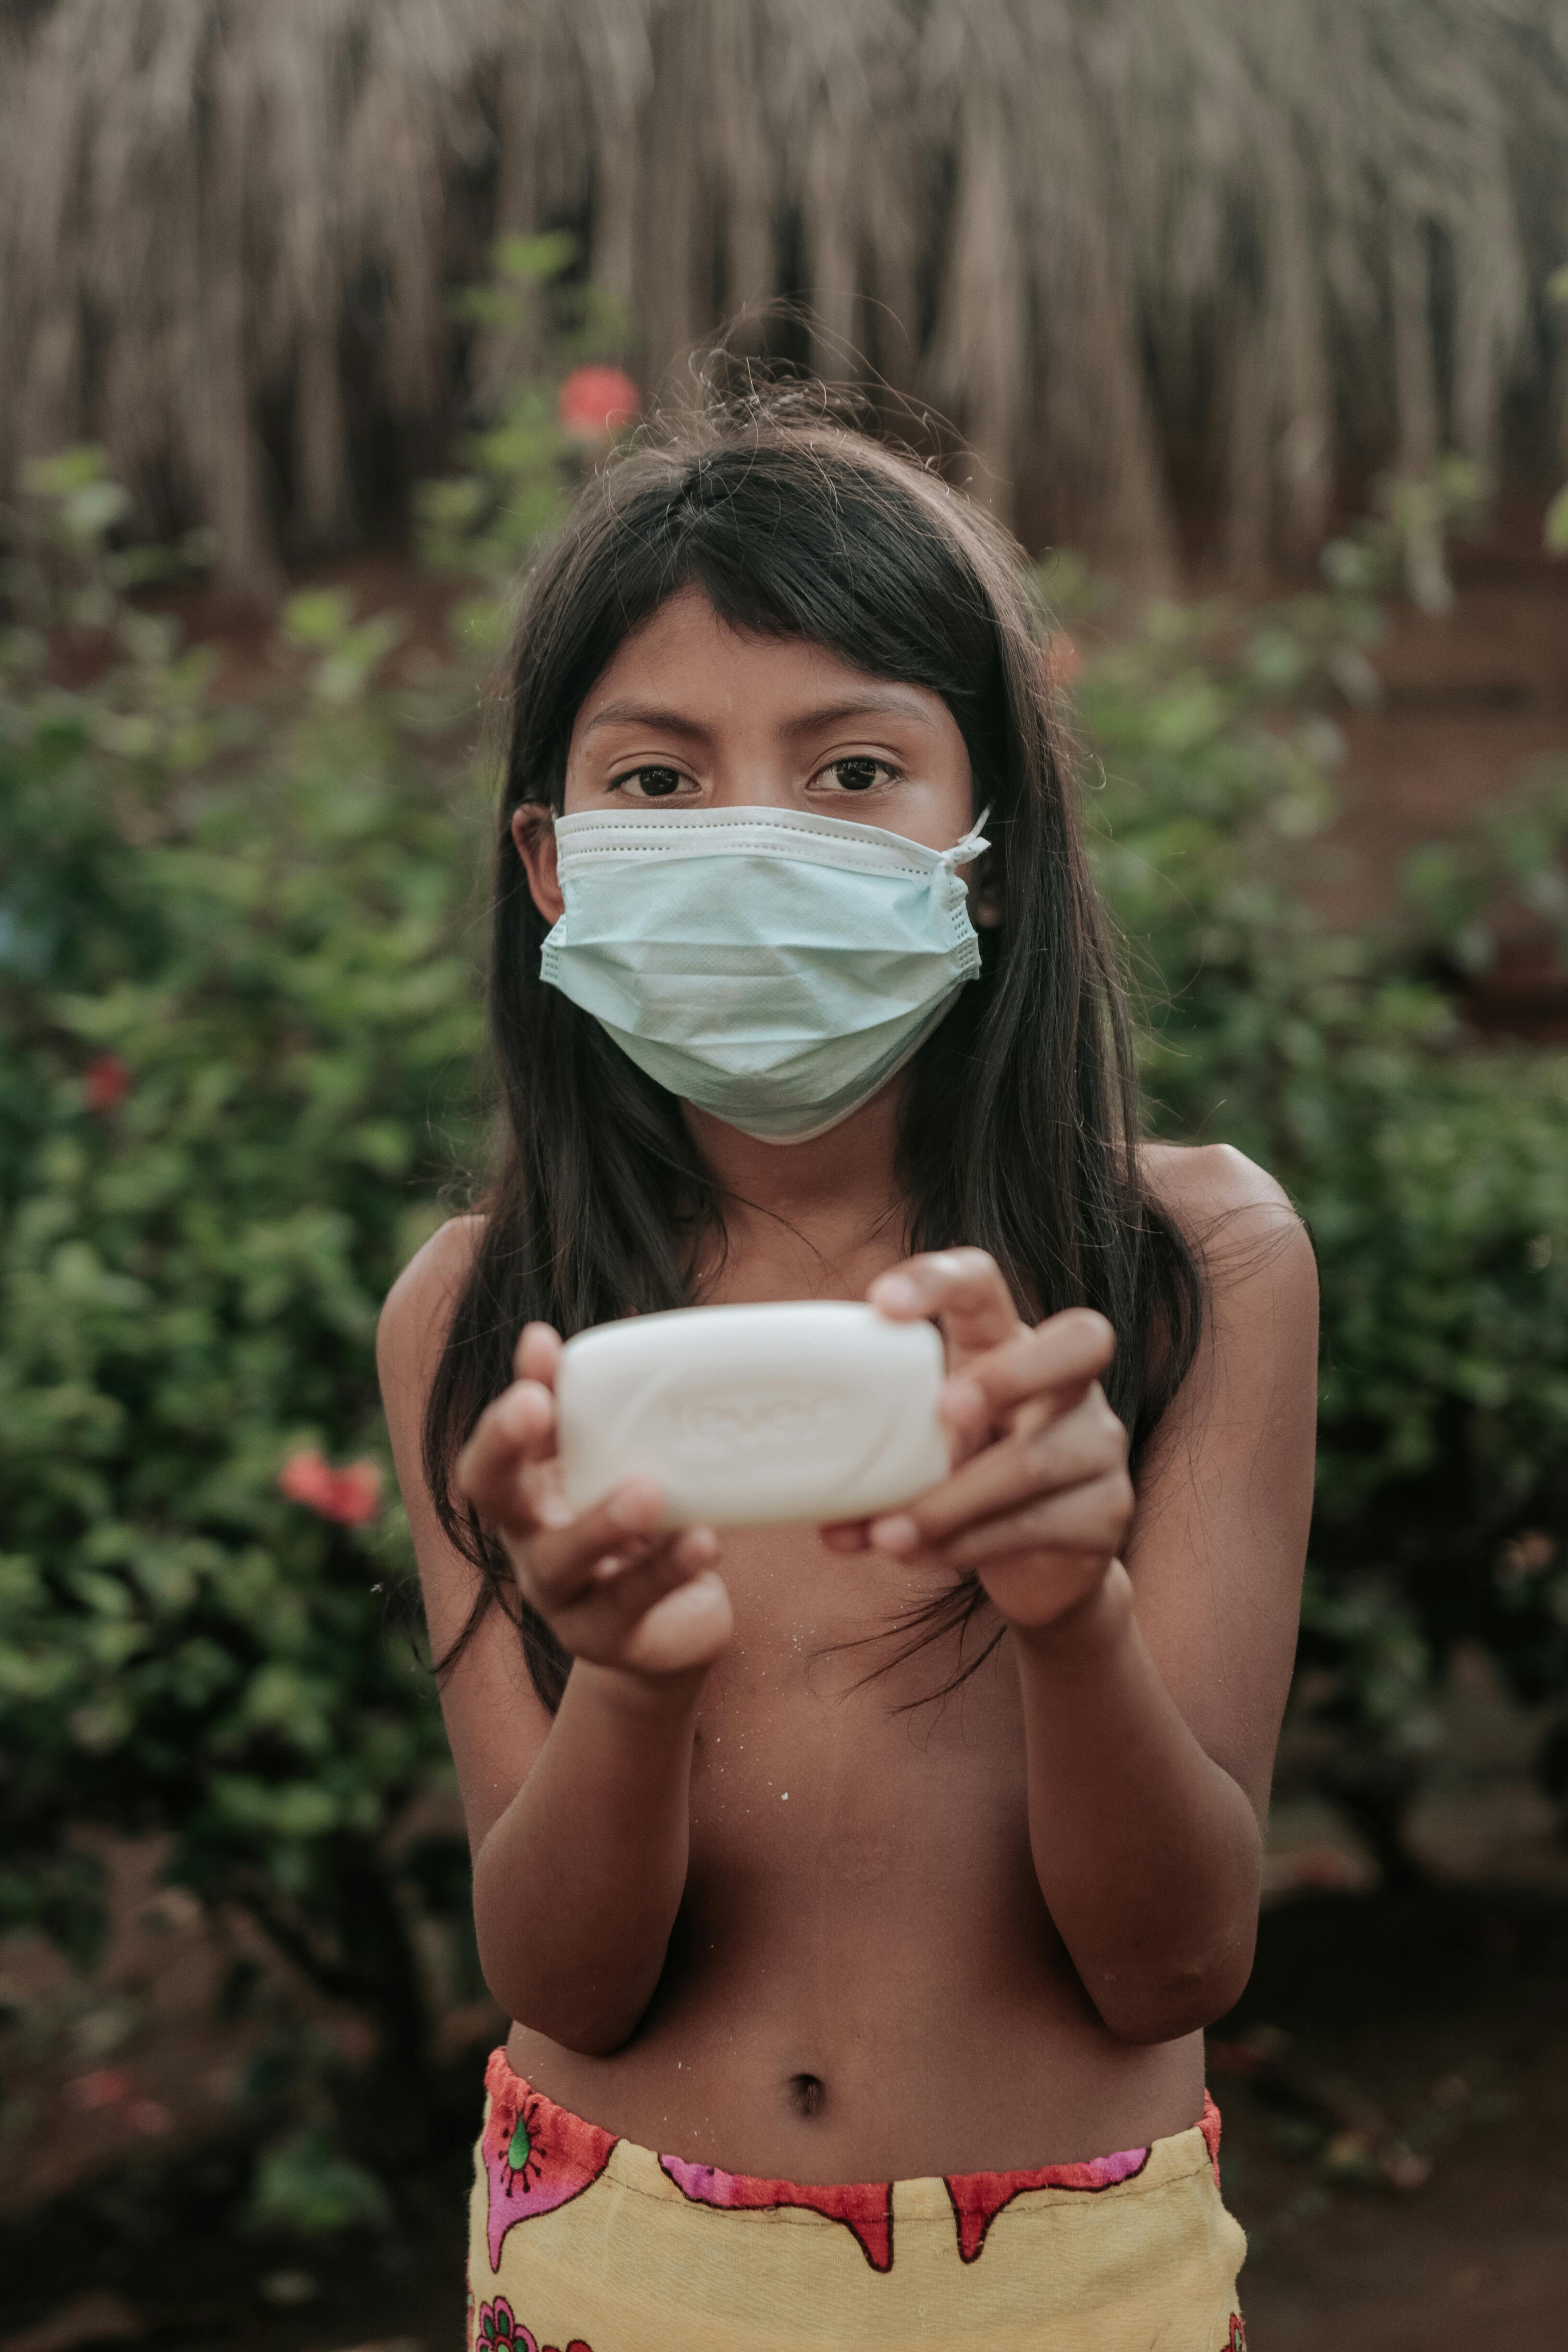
(773, 968)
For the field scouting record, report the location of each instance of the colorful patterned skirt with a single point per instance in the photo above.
(581, 2241)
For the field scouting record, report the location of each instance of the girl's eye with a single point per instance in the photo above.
(858, 775)
(650, 783)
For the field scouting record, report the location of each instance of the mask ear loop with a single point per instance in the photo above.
(969, 847)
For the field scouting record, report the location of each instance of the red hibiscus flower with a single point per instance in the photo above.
(105, 2086)
(105, 1082)
(596, 401)
(350, 1495)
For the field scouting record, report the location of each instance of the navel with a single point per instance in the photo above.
(807, 2093)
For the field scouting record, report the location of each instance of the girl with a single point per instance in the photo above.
(860, 1892)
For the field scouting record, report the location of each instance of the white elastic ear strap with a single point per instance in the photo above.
(972, 845)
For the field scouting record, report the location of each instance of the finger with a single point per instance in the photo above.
(1082, 1446)
(691, 1549)
(604, 1612)
(538, 1354)
(963, 1288)
(517, 1430)
(1085, 1518)
(559, 1561)
(687, 1629)
(611, 1564)
(1059, 1360)
(971, 1424)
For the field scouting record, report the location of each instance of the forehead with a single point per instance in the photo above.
(684, 655)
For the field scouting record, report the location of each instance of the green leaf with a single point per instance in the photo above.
(305, 2185)
(1556, 528)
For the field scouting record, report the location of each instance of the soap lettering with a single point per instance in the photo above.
(762, 1421)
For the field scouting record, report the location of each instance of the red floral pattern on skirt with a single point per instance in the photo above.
(865, 2207)
(499, 2331)
(537, 2155)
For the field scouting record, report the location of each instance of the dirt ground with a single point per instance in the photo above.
(1395, 2084)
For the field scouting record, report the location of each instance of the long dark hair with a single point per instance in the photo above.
(1019, 1128)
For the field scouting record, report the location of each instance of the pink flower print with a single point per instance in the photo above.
(865, 2207)
(499, 2331)
(536, 2155)
(978, 2197)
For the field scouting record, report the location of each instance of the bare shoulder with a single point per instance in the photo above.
(1256, 1253)
(1201, 1182)
(418, 1306)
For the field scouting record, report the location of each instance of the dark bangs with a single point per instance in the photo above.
(815, 534)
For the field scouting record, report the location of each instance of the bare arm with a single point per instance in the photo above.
(577, 1823)
(1153, 1635)
(577, 1882)
(1147, 1851)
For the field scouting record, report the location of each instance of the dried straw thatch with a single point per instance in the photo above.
(1267, 235)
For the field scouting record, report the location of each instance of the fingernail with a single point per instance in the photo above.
(895, 1535)
(895, 1290)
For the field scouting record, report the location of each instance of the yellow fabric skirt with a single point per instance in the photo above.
(580, 2242)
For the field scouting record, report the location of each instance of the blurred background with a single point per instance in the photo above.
(1251, 317)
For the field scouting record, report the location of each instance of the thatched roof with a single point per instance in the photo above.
(1271, 235)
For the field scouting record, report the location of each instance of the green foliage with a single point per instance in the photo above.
(61, 567)
(481, 520)
(1432, 1171)
(1556, 525)
(1512, 848)
(1401, 548)
(240, 1031)
(306, 2186)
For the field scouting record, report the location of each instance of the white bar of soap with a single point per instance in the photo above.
(811, 1410)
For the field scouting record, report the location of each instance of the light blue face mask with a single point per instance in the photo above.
(773, 968)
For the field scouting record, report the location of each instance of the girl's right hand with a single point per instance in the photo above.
(616, 1594)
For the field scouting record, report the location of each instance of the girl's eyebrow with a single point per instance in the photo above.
(645, 714)
(893, 703)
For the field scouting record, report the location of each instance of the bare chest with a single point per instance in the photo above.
(818, 1778)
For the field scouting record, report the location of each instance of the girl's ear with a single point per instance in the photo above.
(533, 834)
(984, 886)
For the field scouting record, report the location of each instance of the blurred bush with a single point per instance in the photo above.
(240, 1031)
(1432, 1170)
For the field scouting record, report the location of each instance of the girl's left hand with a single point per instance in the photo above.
(1039, 1500)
